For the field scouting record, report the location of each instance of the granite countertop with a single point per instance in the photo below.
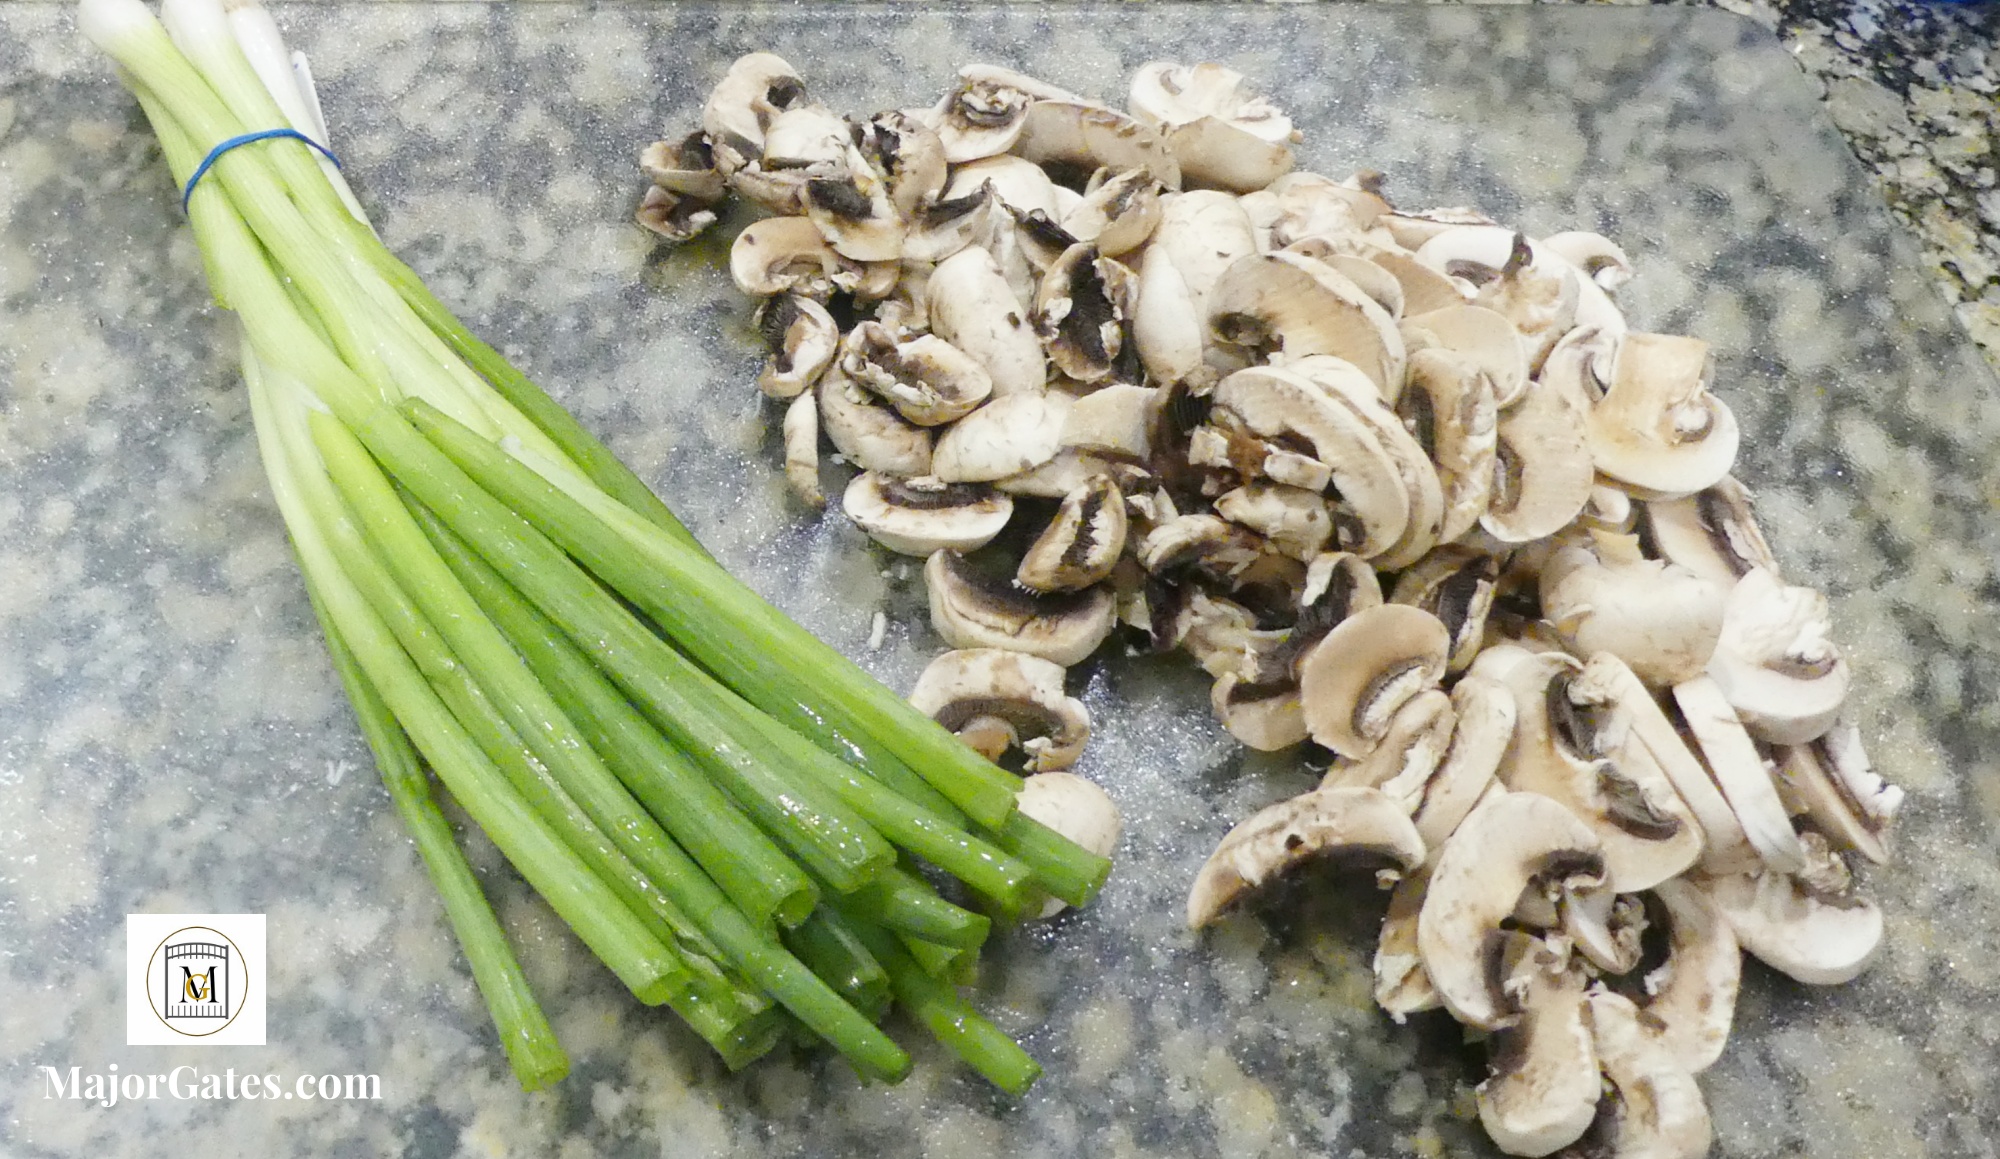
(172, 738)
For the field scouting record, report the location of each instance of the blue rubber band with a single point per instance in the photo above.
(222, 147)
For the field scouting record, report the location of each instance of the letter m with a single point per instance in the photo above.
(54, 1080)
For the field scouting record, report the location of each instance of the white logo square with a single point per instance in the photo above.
(194, 979)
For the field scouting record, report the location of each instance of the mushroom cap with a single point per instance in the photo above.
(1082, 543)
(1292, 519)
(1661, 619)
(1204, 232)
(923, 515)
(1278, 838)
(1478, 335)
(757, 87)
(1223, 136)
(1713, 533)
(1265, 717)
(1083, 137)
(1508, 843)
(1119, 215)
(1654, 1109)
(1017, 185)
(972, 306)
(1828, 802)
(1775, 662)
(1354, 679)
(1583, 756)
(1290, 305)
(1818, 941)
(970, 611)
(1167, 324)
(1024, 691)
(685, 168)
(1450, 409)
(1076, 808)
(1738, 770)
(1409, 754)
(1082, 310)
(1483, 714)
(984, 113)
(1005, 437)
(929, 381)
(1693, 993)
(1457, 585)
(800, 430)
(1602, 261)
(1542, 470)
(786, 254)
(803, 339)
(1657, 426)
(866, 430)
(1542, 1093)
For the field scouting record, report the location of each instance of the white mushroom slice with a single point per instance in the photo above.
(1082, 309)
(1401, 986)
(1265, 717)
(1483, 712)
(1692, 995)
(1542, 1092)
(1662, 620)
(948, 225)
(1357, 677)
(907, 155)
(1584, 756)
(1167, 325)
(1017, 185)
(1775, 663)
(1075, 808)
(1738, 769)
(1337, 585)
(751, 94)
(801, 434)
(1606, 680)
(1657, 426)
(1510, 842)
(1487, 341)
(1223, 136)
(1714, 533)
(1345, 383)
(1542, 471)
(1119, 215)
(1116, 420)
(1285, 305)
(1078, 137)
(983, 114)
(1313, 205)
(1611, 509)
(1810, 781)
(787, 255)
(674, 216)
(1409, 754)
(802, 338)
(1220, 634)
(685, 168)
(1605, 926)
(973, 611)
(1026, 692)
(854, 211)
(1654, 1109)
(1071, 468)
(1204, 232)
(806, 137)
(972, 307)
(929, 381)
(1295, 521)
(1537, 294)
(1411, 230)
(1204, 543)
(1449, 407)
(870, 434)
(1816, 940)
(1601, 259)
(923, 515)
(1346, 823)
(1005, 437)
(1376, 282)
(1457, 585)
(1081, 544)
(1424, 289)
(1275, 403)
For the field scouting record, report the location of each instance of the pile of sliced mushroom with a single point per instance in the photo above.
(1404, 483)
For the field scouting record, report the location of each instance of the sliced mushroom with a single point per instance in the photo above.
(1286, 305)
(1357, 677)
(1457, 585)
(1542, 1092)
(1081, 544)
(1401, 986)
(1265, 717)
(1411, 230)
(751, 94)
(907, 155)
(948, 225)
(782, 255)
(801, 435)
(1739, 771)
(1602, 261)
(972, 307)
(1075, 808)
(1714, 533)
(1082, 310)
(674, 216)
(1583, 756)
(1657, 426)
(802, 338)
(1424, 289)
(1115, 420)
(929, 381)
(685, 168)
(1005, 437)
(1345, 383)
(972, 611)
(1816, 940)
(854, 211)
(1449, 407)
(1510, 842)
(1223, 136)
(923, 515)
(1654, 1108)
(1537, 293)
(986, 684)
(1605, 926)
(1167, 324)
(1078, 138)
(1542, 470)
(1603, 595)
(1293, 520)
(1483, 338)
(1016, 185)
(1775, 662)
(1483, 713)
(1119, 215)
(1204, 232)
(1410, 753)
(1851, 806)
(1691, 996)
(1311, 205)
(984, 113)
(1326, 823)
(871, 435)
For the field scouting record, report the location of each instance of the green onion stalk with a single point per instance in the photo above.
(731, 816)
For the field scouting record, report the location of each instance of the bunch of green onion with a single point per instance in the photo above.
(735, 819)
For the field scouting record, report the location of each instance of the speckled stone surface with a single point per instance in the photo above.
(171, 738)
